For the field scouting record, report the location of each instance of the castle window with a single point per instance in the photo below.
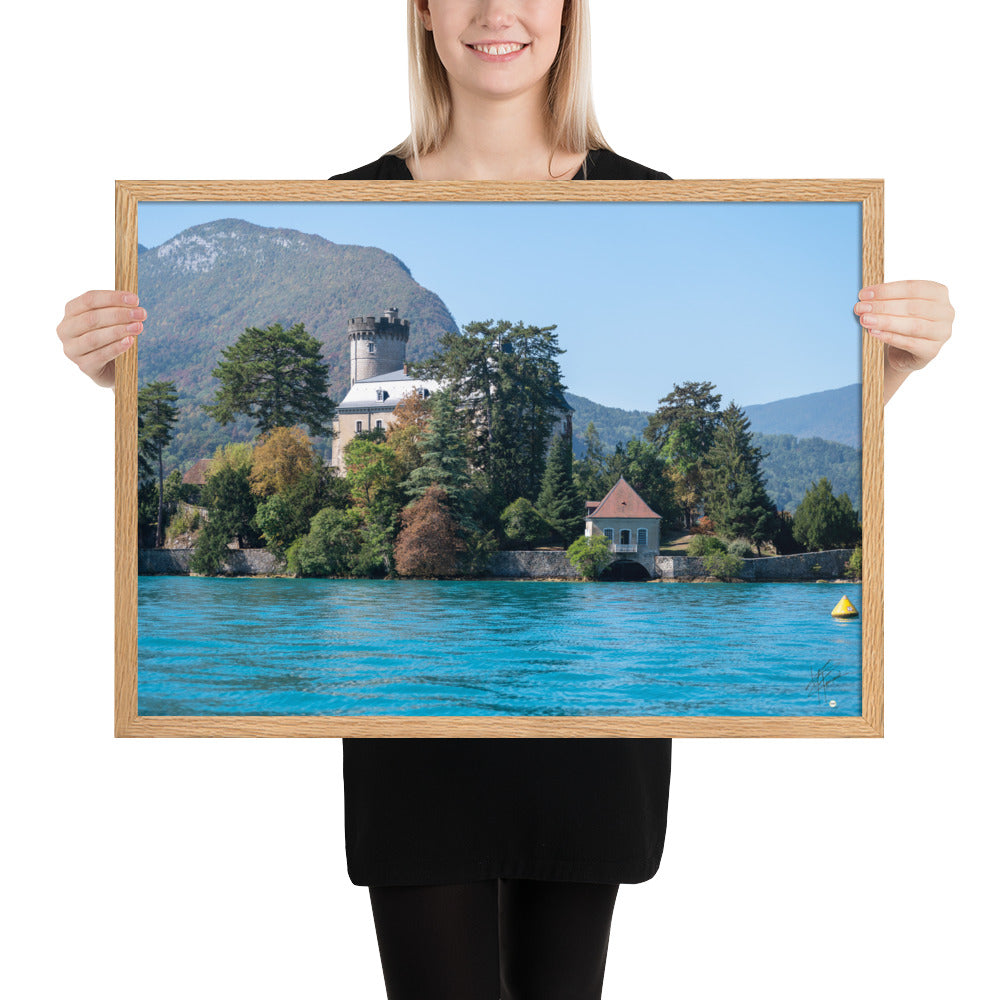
(378, 424)
(609, 534)
(371, 346)
(380, 394)
(626, 536)
(357, 426)
(640, 536)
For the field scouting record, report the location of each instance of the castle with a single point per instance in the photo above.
(380, 381)
(379, 378)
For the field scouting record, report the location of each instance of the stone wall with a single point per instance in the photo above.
(832, 563)
(531, 565)
(237, 562)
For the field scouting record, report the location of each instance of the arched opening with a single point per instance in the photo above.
(625, 571)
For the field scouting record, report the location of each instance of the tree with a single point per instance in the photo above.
(823, 521)
(522, 525)
(444, 459)
(285, 516)
(589, 471)
(692, 404)
(682, 429)
(331, 547)
(281, 457)
(275, 376)
(429, 543)
(232, 507)
(590, 555)
(640, 464)
(559, 502)
(735, 497)
(509, 380)
(410, 422)
(157, 413)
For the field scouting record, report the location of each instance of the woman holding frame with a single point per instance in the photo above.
(493, 865)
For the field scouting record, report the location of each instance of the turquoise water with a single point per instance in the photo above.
(426, 647)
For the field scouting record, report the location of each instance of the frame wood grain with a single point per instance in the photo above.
(128, 194)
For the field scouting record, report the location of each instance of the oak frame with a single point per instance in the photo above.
(128, 194)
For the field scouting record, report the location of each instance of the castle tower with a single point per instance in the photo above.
(377, 345)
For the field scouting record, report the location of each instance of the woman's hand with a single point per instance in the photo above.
(912, 318)
(97, 327)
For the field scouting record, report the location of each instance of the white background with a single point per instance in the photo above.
(215, 868)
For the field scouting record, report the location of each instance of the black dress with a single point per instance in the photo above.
(426, 811)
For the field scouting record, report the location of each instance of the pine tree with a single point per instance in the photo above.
(735, 497)
(509, 377)
(445, 461)
(559, 500)
(157, 413)
(275, 376)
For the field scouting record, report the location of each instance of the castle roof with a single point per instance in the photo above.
(363, 396)
(622, 501)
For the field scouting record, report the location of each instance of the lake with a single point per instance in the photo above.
(244, 646)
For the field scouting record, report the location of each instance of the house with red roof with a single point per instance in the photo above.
(626, 520)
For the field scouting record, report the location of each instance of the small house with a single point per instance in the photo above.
(625, 519)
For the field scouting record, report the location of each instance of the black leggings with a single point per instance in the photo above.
(514, 939)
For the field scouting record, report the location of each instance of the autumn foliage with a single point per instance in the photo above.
(281, 457)
(429, 543)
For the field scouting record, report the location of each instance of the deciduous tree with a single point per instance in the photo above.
(429, 543)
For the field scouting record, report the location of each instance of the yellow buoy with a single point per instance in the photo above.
(844, 609)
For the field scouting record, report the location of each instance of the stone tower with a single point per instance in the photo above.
(378, 345)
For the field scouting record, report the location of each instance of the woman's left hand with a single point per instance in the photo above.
(912, 318)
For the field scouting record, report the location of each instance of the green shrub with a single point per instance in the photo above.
(702, 545)
(183, 521)
(590, 555)
(741, 548)
(523, 526)
(722, 565)
(853, 569)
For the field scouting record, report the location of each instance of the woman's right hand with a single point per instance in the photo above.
(97, 327)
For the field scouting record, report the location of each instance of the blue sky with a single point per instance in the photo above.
(756, 298)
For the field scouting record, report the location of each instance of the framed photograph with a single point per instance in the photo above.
(479, 459)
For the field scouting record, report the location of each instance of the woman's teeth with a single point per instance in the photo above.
(499, 50)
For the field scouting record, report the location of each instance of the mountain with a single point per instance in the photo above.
(792, 433)
(205, 286)
(833, 415)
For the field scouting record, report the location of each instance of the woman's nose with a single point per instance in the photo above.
(496, 13)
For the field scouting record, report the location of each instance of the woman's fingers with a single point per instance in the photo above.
(912, 318)
(97, 327)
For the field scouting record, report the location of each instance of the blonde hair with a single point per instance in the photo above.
(572, 124)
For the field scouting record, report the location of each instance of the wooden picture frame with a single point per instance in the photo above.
(867, 195)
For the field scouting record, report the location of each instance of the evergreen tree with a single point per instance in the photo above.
(735, 498)
(682, 428)
(157, 413)
(823, 521)
(509, 379)
(445, 460)
(589, 471)
(640, 464)
(559, 502)
(277, 377)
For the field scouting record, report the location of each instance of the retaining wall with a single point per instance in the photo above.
(831, 563)
(531, 565)
(236, 562)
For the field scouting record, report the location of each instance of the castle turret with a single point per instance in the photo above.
(377, 345)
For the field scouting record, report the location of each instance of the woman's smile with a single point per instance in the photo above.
(498, 51)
